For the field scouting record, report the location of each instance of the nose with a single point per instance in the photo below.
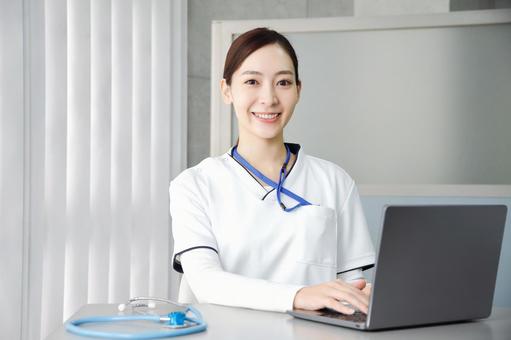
(267, 95)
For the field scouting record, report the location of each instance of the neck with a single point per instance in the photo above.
(266, 156)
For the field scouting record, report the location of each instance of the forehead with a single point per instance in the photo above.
(268, 59)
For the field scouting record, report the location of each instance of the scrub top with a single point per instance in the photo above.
(219, 205)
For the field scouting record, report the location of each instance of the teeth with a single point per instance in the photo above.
(265, 115)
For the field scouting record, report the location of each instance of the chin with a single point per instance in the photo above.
(262, 132)
(267, 135)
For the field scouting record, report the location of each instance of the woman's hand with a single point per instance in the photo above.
(334, 295)
(367, 289)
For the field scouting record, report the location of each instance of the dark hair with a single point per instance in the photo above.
(251, 41)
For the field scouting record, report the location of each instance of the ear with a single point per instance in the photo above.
(226, 91)
(299, 89)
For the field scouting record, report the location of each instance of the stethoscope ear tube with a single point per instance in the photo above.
(198, 316)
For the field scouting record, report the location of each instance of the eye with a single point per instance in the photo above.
(284, 82)
(251, 82)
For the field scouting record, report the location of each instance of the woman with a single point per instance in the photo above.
(266, 226)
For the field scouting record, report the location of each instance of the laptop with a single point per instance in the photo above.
(435, 264)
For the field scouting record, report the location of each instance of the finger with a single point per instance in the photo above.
(358, 283)
(339, 307)
(353, 302)
(367, 290)
(332, 284)
(354, 285)
(349, 298)
(352, 290)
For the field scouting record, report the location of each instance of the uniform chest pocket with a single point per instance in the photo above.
(315, 235)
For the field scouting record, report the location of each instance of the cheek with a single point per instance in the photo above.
(242, 100)
(290, 99)
(240, 106)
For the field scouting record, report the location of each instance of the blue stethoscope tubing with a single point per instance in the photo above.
(73, 326)
(279, 187)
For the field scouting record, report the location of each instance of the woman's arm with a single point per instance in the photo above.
(211, 284)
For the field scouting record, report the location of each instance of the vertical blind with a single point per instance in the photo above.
(11, 168)
(104, 122)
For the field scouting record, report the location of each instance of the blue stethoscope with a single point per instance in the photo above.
(279, 187)
(178, 323)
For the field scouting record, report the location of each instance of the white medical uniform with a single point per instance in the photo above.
(221, 213)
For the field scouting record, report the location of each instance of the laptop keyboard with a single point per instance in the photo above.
(355, 317)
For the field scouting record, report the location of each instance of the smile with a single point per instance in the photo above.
(266, 116)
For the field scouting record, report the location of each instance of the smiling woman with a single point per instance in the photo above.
(261, 81)
(264, 92)
(265, 225)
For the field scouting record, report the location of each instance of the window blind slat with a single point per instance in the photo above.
(100, 150)
(121, 152)
(160, 147)
(52, 299)
(178, 85)
(11, 167)
(78, 156)
(36, 167)
(141, 97)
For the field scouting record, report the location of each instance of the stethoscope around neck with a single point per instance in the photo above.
(279, 187)
(175, 323)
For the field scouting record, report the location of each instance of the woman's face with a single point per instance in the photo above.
(263, 92)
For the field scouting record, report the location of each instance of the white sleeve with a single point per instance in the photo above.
(211, 284)
(354, 244)
(191, 227)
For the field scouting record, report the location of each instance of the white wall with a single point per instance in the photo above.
(202, 12)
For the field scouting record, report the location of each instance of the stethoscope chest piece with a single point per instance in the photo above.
(177, 320)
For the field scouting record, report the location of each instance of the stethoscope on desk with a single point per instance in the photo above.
(178, 322)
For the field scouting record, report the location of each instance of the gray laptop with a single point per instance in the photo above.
(435, 264)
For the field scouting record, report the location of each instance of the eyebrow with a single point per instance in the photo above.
(277, 74)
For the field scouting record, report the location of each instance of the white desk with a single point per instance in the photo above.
(236, 323)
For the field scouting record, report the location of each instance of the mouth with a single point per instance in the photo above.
(266, 117)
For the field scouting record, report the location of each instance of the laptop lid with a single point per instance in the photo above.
(436, 264)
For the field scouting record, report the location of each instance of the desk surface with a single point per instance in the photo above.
(236, 323)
